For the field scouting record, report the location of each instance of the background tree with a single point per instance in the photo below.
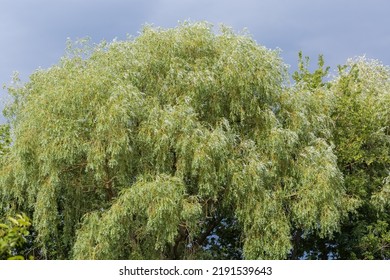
(181, 143)
(362, 138)
(360, 120)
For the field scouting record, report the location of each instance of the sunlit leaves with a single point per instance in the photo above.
(147, 147)
(144, 219)
(13, 233)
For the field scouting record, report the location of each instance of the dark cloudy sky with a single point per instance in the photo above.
(33, 32)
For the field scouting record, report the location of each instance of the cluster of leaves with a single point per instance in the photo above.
(13, 237)
(185, 143)
(5, 139)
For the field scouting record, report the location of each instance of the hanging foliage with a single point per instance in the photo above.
(156, 147)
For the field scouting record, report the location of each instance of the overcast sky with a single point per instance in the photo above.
(33, 33)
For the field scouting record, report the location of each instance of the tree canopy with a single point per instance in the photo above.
(362, 138)
(186, 143)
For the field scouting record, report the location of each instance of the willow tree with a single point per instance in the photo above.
(181, 143)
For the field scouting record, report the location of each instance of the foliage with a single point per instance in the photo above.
(362, 138)
(186, 143)
(5, 139)
(359, 112)
(13, 235)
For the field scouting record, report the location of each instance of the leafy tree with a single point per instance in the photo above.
(181, 143)
(360, 117)
(362, 138)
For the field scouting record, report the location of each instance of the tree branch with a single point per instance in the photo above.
(201, 239)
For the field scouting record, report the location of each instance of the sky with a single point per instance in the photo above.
(33, 33)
